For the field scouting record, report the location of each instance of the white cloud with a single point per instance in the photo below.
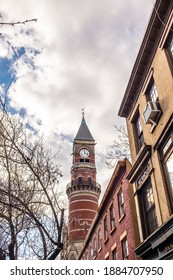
(78, 54)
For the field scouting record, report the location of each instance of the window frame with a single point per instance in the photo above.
(94, 243)
(114, 254)
(152, 92)
(99, 238)
(112, 216)
(166, 152)
(138, 132)
(120, 197)
(125, 249)
(147, 214)
(169, 45)
(105, 227)
(85, 160)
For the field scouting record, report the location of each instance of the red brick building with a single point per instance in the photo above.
(114, 231)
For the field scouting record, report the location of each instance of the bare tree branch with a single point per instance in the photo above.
(29, 198)
(19, 22)
(120, 148)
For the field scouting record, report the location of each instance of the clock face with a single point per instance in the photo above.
(84, 153)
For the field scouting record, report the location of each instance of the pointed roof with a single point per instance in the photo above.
(83, 132)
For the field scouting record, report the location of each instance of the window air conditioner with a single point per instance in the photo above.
(151, 112)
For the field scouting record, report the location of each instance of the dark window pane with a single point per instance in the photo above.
(149, 213)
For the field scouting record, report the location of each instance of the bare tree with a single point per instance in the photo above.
(31, 215)
(120, 148)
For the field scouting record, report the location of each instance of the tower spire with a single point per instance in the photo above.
(83, 191)
(84, 132)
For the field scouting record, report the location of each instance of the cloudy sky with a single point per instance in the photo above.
(79, 54)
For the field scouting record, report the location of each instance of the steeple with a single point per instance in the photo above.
(83, 132)
(83, 191)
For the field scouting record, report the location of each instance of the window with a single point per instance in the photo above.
(89, 180)
(84, 160)
(169, 45)
(125, 250)
(105, 228)
(114, 254)
(112, 216)
(79, 180)
(120, 203)
(151, 92)
(94, 244)
(90, 251)
(148, 217)
(138, 132)
(167, 162)
(99, 238)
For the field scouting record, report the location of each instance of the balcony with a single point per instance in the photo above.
(83, 185)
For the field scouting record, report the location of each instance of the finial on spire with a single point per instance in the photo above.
(83, 113)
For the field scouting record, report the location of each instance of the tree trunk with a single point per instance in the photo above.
(56, 252)
(11, 251)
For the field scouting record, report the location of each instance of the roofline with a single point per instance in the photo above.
(146, 53)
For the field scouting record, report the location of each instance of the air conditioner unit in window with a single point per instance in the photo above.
(151, 112)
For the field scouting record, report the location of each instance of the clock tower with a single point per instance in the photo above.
(83, 191)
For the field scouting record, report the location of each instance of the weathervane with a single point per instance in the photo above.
(83, 113)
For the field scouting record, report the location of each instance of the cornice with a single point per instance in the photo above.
(141, 159)
(145, 55)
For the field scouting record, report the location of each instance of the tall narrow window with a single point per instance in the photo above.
(114, 254)
(79, 180)
(167, 162)
(90, 251)
(99, 238)
(120, 203)
(138, 132)
(169, 45)
(125, 250)
(105, 228)
(94, 245)
(149, 218)
(89, 180)
(151, 92)
(112, 216)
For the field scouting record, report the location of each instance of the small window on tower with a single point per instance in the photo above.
(89, 180)
(84, 160)
(79, 180)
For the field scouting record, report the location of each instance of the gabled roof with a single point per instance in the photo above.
(83, 132)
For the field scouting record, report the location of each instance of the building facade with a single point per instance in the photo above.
(83, 191)
(114, 231)
(148, 108)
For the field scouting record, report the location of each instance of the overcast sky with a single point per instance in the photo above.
(79, 54)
